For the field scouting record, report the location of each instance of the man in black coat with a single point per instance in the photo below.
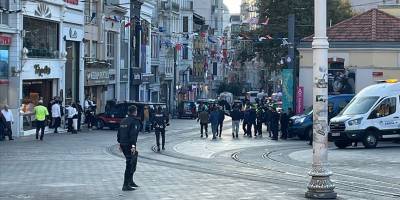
(274, 124)
(127, 137)
(284, 120)
(221, 119)
(79, 109)
(252, 121)
(159, 123)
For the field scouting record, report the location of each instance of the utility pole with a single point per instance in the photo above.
(291, 59)
(320, 186)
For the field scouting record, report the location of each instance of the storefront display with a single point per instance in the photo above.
(4, 68)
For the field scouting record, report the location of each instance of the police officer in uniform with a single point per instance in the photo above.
(127, 138)
(160, 122)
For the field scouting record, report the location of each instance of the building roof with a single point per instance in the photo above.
(371, 26)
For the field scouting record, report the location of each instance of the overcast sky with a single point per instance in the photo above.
(233, 6)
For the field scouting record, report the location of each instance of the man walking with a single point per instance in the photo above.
(79, 110)
(284, 121)
(56, 115)
(236, 116)
(203, 118)
(3, 126)
(41, 113)
(274, 124)
(9, 121)
(252, 121)
(160, 122)
(127, 137)
(71, 112)
(214, 119)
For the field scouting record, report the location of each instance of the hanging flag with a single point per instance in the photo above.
(178, 46)
(128, 24)
(265, 23)
(203, 34)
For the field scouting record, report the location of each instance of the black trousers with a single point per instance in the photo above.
(79, 121)
(284, 132)
(70, 128)
(40, 126)
(249, 125)
(244, 127)
(203, 126)
(89, 119)
(131, 163)
(160, 131)
(275, 133)
(259, 128)
(9, 130)
(219, 130)
(56, 123)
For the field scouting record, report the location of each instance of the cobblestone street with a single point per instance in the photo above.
(89, 166)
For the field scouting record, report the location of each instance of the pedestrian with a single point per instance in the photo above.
(259, 120)
(204, 119)
(214, 119)
(160, 122)
(284, 121)
(146, 118)
(274, 124)
(71, 112)
(9, 121)
(236, 116)
(245, 114)
(127, 137)
(221, 118)
(79, 110)
(41, 113)
(251, 121)
(3, 125)
(56, 115)
(268, 120)
(90, 110)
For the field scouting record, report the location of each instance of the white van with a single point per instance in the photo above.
(372, 115)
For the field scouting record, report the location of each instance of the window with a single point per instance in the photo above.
(41, 38)
(3, 15)
(4, 54)
(360, 105)
(87, 48)
(93, 49)
(185, 24)
(155, 41)
(185, 52)
(110, 44)
(386, 107)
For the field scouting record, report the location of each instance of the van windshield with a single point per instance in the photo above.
(360, 105)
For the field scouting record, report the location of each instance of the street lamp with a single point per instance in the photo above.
(320, 186)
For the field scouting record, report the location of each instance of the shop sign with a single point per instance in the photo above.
(5, 40)
(73, 34)
(75, 2)
(97, 77)
(41, 70)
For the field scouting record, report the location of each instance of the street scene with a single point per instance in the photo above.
(199, 99)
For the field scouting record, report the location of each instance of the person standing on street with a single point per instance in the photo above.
(71, 112)
(245, 113)
(41, 113)
(214, 119)
(127, 137)
(284, 121)
(56, 115)
(9, 121)
(79, 110)
(90, 110)
(252, 121)
(236, 116)
(159, 124)
(221, 118)
(3, 126)
(203, 118)
(274, 124)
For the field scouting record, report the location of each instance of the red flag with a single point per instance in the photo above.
(128, 24)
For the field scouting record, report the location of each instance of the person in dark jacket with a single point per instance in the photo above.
(3, 126)
(236, 116)
(245, 114)
(79, 109)
(284, 120)
(159, 124)
(251, 121)
(274, 124)
(214, 119)
(127, 137)
(268, 120)
(221, 118)
(203, 118)
(259, 120)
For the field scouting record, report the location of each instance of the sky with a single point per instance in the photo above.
(233, 5)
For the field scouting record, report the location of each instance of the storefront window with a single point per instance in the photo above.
(3, 15)
(3, 74)
(41, 38)
(110, 44)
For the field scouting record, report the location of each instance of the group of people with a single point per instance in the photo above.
(253, 117)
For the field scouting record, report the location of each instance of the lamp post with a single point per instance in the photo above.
(320, 186)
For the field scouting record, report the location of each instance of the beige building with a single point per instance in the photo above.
(363, 50)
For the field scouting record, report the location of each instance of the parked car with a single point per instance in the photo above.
(302, 125)
(187, 109)
(373, 115)
(117, 111)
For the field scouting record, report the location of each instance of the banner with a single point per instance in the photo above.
(287, 89)
(299, 100)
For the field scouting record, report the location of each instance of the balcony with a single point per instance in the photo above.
(175, 7)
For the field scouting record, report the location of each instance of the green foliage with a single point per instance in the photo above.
(234, 88)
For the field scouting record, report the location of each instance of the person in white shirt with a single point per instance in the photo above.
(9, 121)
(71, 112)
(56, 115)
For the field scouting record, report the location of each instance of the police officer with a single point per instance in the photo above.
(160, 122)
(274, 124)
(127, 138)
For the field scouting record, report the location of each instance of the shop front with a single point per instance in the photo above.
(5, 42)
(96, 84)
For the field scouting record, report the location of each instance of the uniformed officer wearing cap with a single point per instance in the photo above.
(159, 123)
(127, 137)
